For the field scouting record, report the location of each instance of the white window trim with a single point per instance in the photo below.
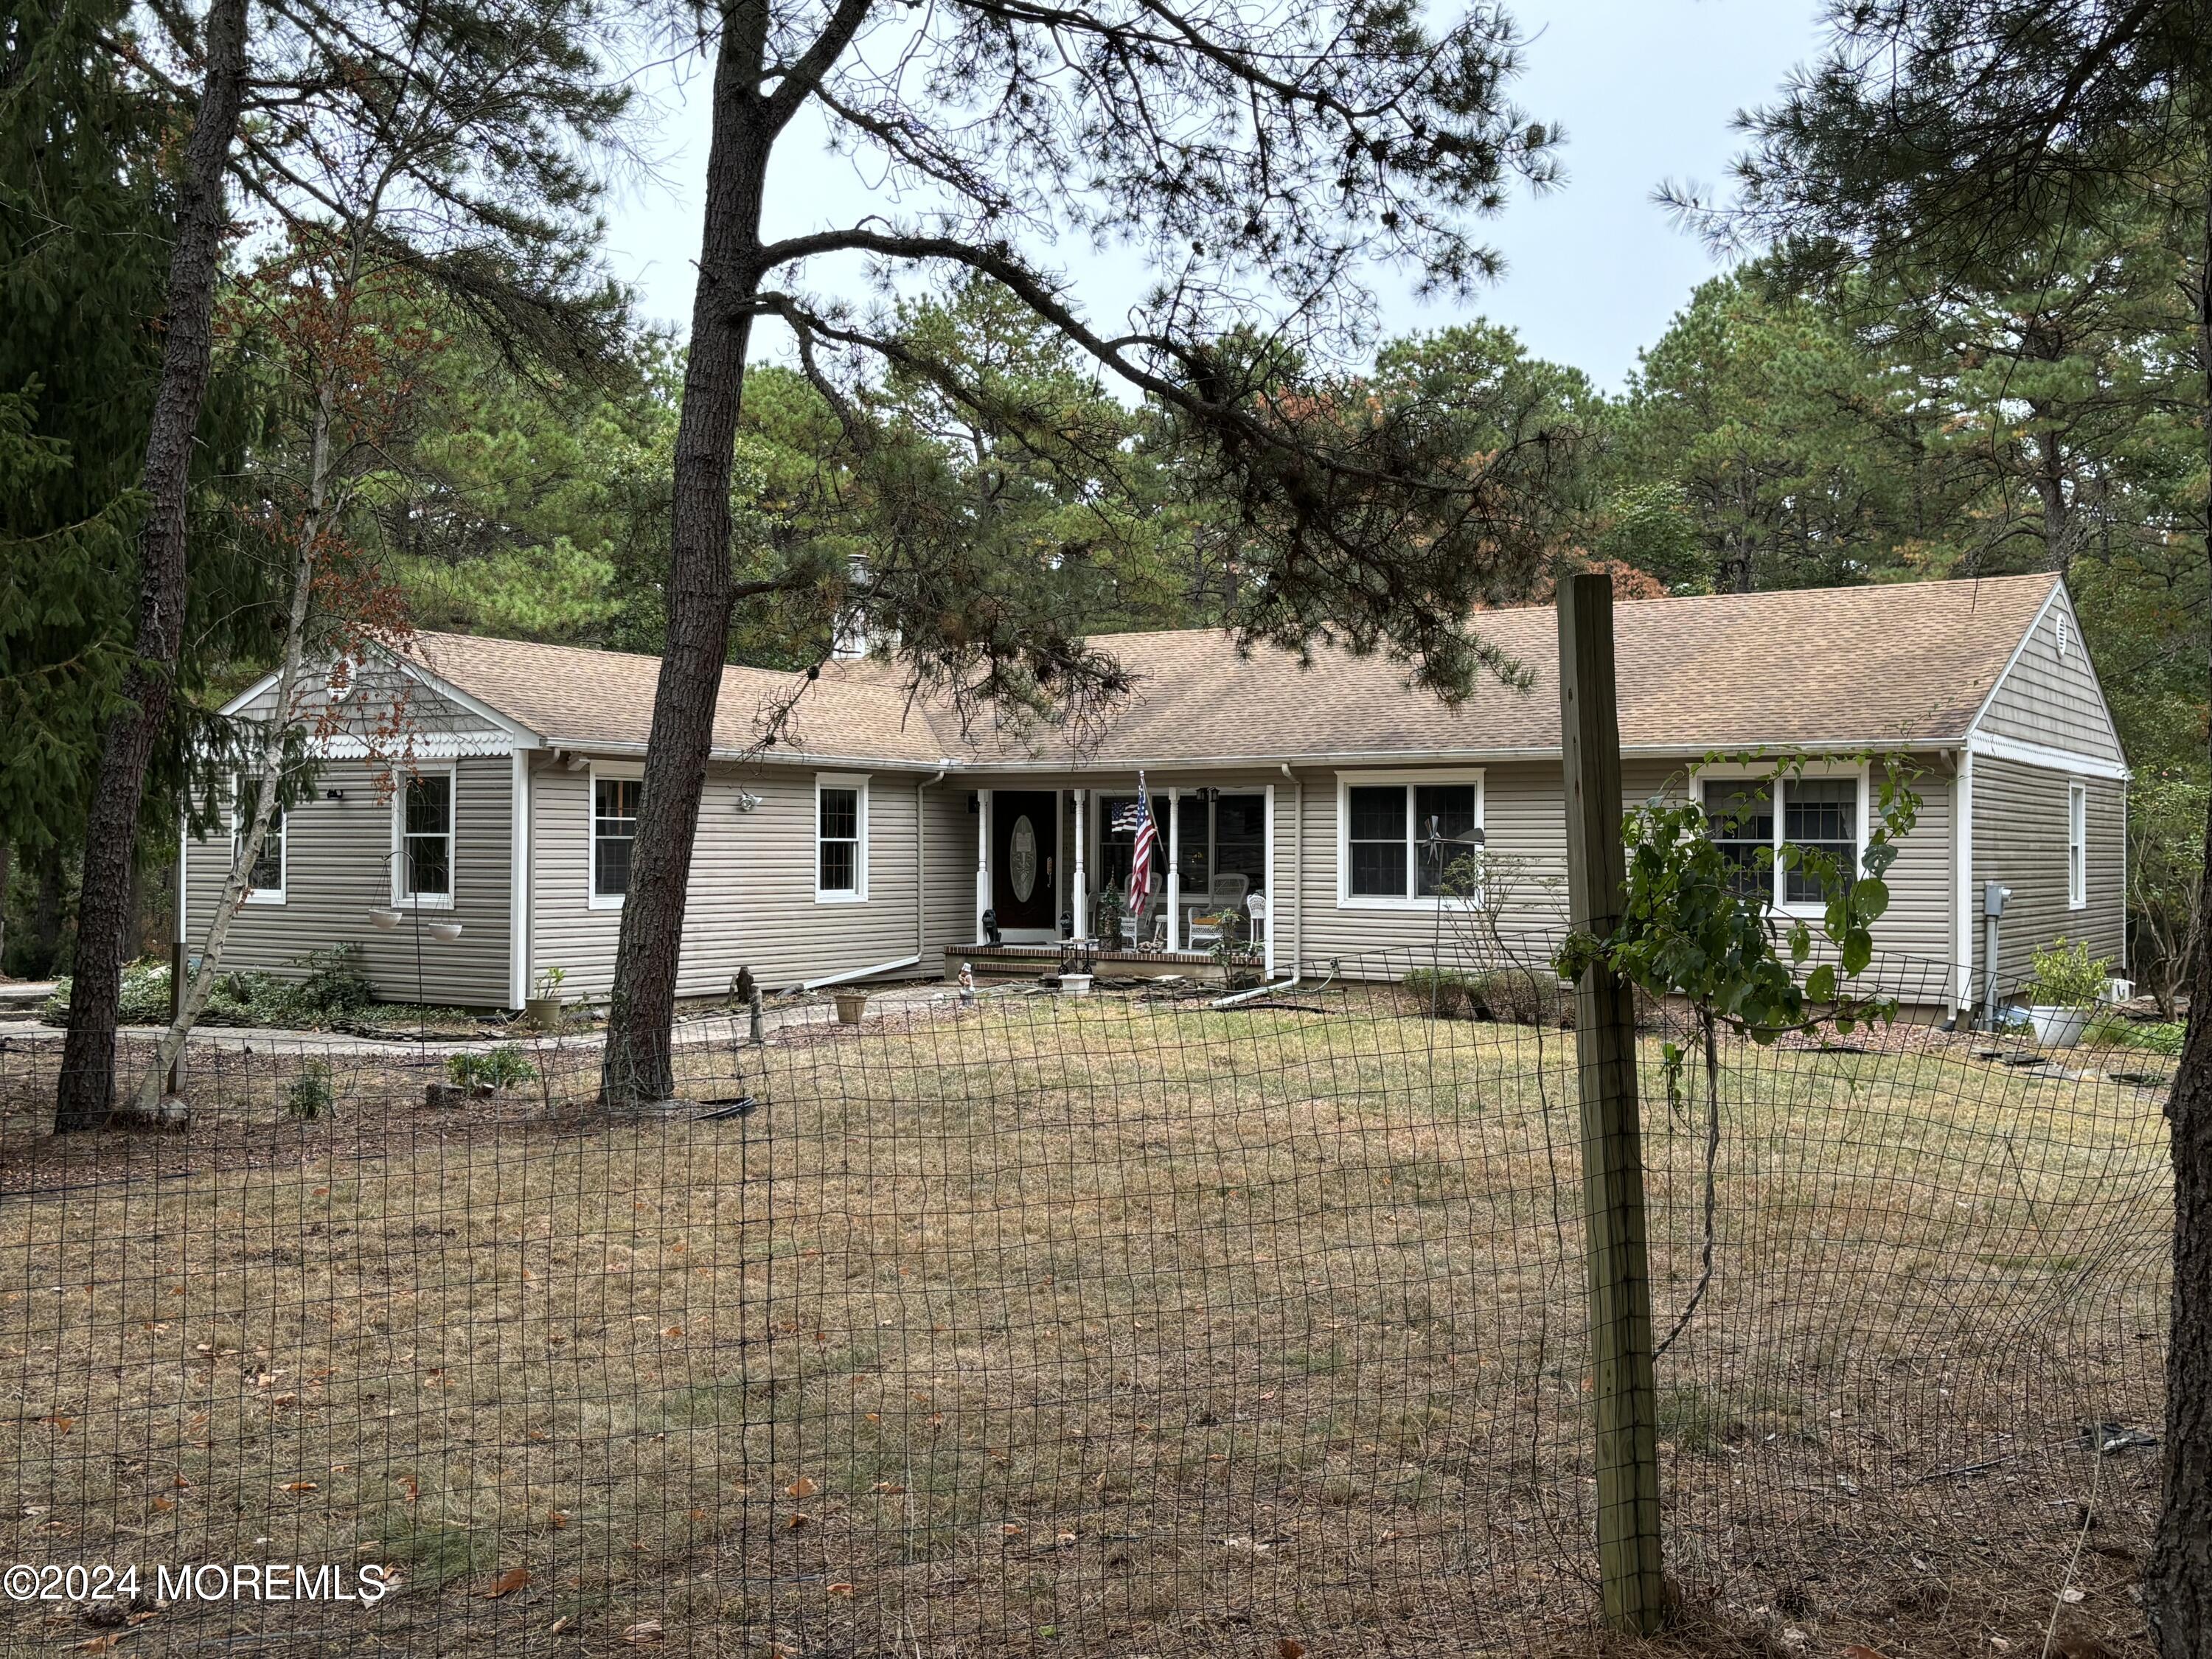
(633, 771)
(261, 895)
(2077, 838)
(1729, 771)
(401, 899)
(1409, 780)
(858, 782)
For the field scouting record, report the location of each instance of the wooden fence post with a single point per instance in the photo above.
(1612, 1151)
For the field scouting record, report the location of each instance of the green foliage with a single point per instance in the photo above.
(308, 1096)
(2154, 1037)
(2064, 975)
(337, 983)
(501, 1068)
(2166, 811)
(1443, 991)
(334, 987)
(145, 995)
(1523, 996)
(1752, 449)
(85, 199)
(1688, 927)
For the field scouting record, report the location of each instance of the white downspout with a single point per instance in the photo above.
(922, 864)
(1962, 809)
(1298, 870)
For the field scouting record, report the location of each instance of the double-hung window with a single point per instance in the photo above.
(265, 882)
(1752, 821)
(2077, 846)
(841, 837)
(614, 835)
(422, 862)
(1405, 841)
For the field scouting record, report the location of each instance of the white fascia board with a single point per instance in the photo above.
(266, 683)
(2055, 760)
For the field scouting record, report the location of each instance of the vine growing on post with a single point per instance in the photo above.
(1699, 922)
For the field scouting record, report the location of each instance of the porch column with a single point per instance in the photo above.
(1082, 825)
(983, 860)
(1174, 869)
(1267, 881)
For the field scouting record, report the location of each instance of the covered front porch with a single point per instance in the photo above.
(1053, 867)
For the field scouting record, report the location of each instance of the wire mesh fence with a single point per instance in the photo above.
(1126, 1323)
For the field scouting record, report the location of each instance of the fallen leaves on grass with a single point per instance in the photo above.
(506, 1583)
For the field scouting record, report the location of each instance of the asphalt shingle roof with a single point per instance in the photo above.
(1848, 667)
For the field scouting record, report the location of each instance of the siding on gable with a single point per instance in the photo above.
(339, 868)
(2052, 700)
(2019, 839)
(752, 902)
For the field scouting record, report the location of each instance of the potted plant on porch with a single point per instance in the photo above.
(1111, 909)
(542, 1009)
(2067, 985)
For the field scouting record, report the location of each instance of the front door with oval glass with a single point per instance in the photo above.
(1025, 826)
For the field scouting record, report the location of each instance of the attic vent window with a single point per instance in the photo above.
(2065, 634)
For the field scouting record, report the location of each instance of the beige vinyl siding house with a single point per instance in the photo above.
(878, 836)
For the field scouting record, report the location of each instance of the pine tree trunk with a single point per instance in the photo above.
(2178, 1585)
(46, 917)
(638, 1068)
(86, 1089)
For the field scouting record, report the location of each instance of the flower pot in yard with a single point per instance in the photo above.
(850, 1006)
(1075, 985)
(543, 1013)
(2058, 1028)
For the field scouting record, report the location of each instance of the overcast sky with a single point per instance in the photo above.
(1645, 89)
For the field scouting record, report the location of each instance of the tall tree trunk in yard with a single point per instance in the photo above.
(637, 1068)
(146, 1105)
(87, 1087)
(2179, 1581)
(46, 915)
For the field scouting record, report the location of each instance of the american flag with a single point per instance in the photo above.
(1148, 841)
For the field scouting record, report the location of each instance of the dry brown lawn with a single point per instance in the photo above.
(1108, 1328)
